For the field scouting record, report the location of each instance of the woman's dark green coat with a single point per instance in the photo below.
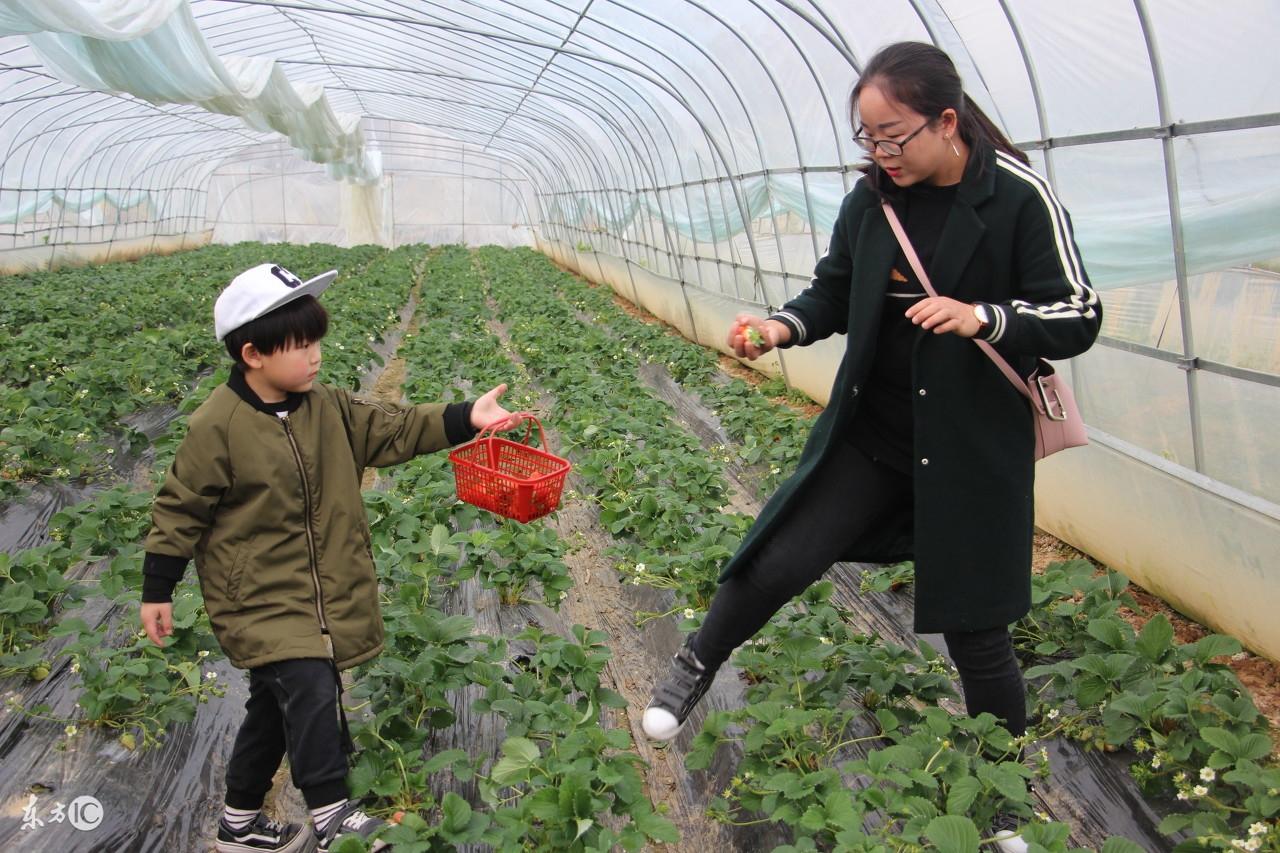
(1008, 243)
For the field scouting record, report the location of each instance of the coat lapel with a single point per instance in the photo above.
(964, 228)
(872, 263)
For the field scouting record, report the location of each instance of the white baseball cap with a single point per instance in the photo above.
(259, 291)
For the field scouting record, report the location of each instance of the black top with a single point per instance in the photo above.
(882, 427)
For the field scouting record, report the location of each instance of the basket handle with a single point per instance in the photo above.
(529, 419)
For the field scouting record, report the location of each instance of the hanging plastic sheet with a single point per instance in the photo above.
(120, 47)
(74, 202)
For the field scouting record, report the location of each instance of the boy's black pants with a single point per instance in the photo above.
(847, 498)
(292, 709)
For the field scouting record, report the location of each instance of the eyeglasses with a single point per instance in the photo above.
(889, 146)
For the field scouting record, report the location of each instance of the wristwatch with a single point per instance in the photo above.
(984, 319)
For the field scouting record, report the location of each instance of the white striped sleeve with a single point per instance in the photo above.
(1081, 300)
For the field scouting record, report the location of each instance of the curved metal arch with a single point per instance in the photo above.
(658, 83)
(106, 104)
(220, 155)
(1175, 226)
(730, 170)
(255, 140)
(487, 60)
(826, 106)
(551, 122)
(504, 184)
(836, 135)
(586, 163)
(582, 104)
(564, 40)
(831, 32)
(795, 139)
(1037, 95)
(162, 168)
(315, 46)
(627, 108)
(641, 128)
(150, 135)
(92, 122)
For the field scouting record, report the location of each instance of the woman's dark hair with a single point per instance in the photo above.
(924, 78)
(296, 323)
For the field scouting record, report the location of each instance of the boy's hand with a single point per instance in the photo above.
(157, 620)
(487, 410)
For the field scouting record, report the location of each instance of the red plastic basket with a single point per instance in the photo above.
(508, 477)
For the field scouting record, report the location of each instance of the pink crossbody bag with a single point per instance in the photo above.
(1057, 420)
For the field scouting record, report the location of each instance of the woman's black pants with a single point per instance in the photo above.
(849, 497)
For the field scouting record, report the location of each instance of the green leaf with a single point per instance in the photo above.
(952, 834)
(1116, 844)
(518, 755)
(1221, 738)
(1156, 638)
(1254, 746)
(962, 794)
(1174, 823)
(656, 827)
(814, 818)
(1107, 632)
(1214, 645)
(441, 760)
(584, 824)
(1005, 780)
(1090, 690)
(456, 812)
(439, 539)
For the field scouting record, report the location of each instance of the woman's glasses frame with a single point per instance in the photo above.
(891, 147)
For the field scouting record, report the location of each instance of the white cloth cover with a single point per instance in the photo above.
(155, 51)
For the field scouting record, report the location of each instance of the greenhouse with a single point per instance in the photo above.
(626, 212)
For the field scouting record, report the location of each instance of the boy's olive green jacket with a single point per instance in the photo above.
(270, 509)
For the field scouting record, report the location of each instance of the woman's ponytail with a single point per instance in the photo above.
(975, 126)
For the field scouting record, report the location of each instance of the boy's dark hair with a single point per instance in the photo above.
(922, 77)
(296, 323)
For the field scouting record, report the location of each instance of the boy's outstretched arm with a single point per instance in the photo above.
(384, 434)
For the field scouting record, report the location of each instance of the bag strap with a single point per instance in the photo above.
(914, 259)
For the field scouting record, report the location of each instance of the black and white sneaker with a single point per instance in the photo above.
(263, 834)
(351, 821)
(676, 695)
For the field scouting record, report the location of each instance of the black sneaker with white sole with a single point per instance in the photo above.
(675, 696)
(263, 834)
(351, 821)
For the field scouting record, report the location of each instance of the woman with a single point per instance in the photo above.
(925, 449)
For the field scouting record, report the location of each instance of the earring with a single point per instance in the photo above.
(953, 146)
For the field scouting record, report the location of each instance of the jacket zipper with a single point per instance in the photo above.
(311, 542)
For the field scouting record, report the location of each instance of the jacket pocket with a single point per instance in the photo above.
(237, 570)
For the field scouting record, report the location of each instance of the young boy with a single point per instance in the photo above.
(264, 493)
